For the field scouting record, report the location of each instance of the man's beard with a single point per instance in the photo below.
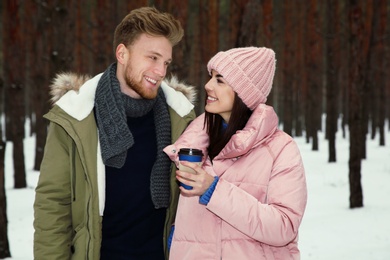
(137, 86)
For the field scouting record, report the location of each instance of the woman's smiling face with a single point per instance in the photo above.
(220, 96)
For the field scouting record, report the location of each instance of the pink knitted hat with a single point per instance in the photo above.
(249, 71)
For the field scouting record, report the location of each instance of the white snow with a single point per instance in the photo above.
(330, 229)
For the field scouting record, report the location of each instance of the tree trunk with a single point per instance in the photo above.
(381, 71)
(236, 11)
(194, 61)
(333, 64)
(4, 244)
(267, 8)
(38, 68)
(301, 82)
(314, 74)
(208, 21)
(61, 36)
(288, 65)
(277, 46)
(179, 9)
(367, 56)
(14, 51)
(356, 26)
(344, 65)
(266, 36)
(250, 30)
(102, 18)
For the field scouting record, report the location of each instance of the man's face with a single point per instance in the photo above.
(145, 66)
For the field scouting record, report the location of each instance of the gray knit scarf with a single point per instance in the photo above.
(111, 110)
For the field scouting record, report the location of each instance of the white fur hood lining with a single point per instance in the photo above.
(75, 94)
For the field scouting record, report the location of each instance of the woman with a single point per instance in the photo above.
(249, 196)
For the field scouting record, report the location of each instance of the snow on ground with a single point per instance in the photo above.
(330, 230)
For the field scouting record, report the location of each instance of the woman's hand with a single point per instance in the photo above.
(200, 181)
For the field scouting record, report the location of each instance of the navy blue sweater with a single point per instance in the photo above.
(132, 227)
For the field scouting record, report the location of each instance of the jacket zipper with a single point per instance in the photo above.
(73, 174)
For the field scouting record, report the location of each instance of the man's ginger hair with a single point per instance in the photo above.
(150, 21)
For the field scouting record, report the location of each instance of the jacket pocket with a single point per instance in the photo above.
(79, 243)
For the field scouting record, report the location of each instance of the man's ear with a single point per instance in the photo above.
(121, 52)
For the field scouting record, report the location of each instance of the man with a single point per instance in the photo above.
(106, 190)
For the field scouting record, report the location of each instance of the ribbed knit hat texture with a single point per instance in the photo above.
(249, 71)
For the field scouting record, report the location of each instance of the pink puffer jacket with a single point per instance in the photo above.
(258, 203)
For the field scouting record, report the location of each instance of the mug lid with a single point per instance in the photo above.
(191, 151)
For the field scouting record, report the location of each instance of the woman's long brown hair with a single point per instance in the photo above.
(217, 135)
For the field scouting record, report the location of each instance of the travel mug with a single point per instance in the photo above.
(190, 155)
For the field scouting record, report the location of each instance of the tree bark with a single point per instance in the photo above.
(356, 121)
(4, 244)
(367, 56)
(333, 64)
(61, 36)
(301, 82)
(267, 35)
(381, 71)
(314, 55)
(38, 67)
(179, 9)
(249, 30)
(14, 51)
(208, 21)
(344, 65)
(192, 41)
(102, 20)
(288, 65)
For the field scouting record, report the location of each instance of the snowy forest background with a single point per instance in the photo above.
(332, 58)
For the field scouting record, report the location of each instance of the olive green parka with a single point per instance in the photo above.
(69, 196)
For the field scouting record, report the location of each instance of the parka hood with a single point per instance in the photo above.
(75, 94)
(65, 82)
